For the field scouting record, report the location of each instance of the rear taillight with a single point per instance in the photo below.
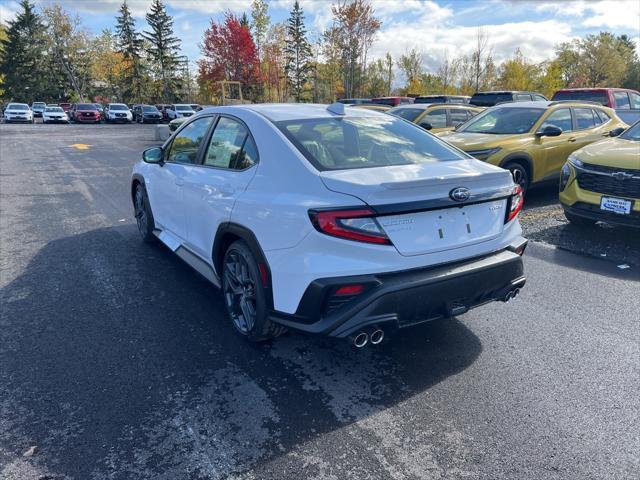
(359, 225)
(515, 204)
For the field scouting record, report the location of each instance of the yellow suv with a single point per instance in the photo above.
(436, 117)
(602, 181)
(533, 139)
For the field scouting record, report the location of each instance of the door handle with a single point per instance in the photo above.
(179, 182)
(572, 139)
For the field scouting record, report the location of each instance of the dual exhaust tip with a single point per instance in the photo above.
(361, 339)
(511, 294)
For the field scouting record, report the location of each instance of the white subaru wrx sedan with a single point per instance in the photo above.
(330, 219)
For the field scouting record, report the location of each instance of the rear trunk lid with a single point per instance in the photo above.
(415, 203)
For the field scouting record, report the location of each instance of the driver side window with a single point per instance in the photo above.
(561, 118)
(185, 145)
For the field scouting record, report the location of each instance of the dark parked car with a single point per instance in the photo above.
(442, 99)
(392, 101)
(355, 101)
(100, 108)
(625, 102)
(85, 113)
(489, 99)
(163, 110)
(146, 114)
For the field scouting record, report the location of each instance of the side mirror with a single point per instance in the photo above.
(616, 131)
(426, 125)
(549, 131)
(152, 155)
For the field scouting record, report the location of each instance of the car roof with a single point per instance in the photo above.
(295, 111)
(594, 89)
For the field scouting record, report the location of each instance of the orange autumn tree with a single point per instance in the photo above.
(229, 53)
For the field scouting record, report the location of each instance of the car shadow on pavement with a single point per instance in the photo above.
(116, 361)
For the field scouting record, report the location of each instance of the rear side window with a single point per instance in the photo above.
(584, 118)
(634, 99)
(603, 115)
(561, 118)
(185, 145)
(539, 97)
(231, 146)
(622, 100)
(437, 118)
(521, 97)
(365, 142)
(407, 113)
(458, 116)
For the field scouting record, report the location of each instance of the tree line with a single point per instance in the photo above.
(53, 57)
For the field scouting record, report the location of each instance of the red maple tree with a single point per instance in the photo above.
(229, 53)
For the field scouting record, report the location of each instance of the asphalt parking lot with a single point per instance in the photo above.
(116, 361)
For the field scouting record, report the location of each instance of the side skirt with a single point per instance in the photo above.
(190, 258)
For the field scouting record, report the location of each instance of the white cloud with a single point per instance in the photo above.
(536, 40)
(185, 26)
(139, 8)
(600, 13)
(211, 7)
(8, 12)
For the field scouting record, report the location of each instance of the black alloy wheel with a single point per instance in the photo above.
(144, 217)
(244, 295)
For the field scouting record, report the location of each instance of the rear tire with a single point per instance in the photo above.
(579, 221)
(244, 296)
(520, 175)
(143, 214)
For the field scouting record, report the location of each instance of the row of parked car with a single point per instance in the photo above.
(593, 152)
(97, 113)
(625, 101)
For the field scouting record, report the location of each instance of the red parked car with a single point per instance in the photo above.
(624, 101)
(65, 106)
(392, 101)
(85, 113)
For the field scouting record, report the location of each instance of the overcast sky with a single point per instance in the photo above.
(434, 27)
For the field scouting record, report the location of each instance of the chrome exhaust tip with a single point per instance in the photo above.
(360, 339)
(508, 296)
(376, 336)
(516, 292)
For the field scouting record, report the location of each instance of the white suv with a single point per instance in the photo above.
(332, 220)
(18, 112)
(117, 112)
(179, 111)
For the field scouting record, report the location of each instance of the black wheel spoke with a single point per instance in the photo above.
(239, 292)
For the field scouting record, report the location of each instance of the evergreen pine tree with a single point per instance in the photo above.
(163, 50)
(130, 46)
(244, 20)
(23, 55)
(297, 52)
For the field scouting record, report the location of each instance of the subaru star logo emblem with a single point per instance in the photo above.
(460, 194)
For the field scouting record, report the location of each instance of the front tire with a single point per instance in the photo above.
(143, 214)
(244, 295)
(520, 175)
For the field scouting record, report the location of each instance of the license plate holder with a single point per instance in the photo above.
(619, 206)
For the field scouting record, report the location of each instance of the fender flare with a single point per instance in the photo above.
(220, 245)
(139, 178)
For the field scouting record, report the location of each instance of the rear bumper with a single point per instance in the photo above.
(406, 298)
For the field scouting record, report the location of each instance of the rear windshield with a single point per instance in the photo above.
(150, 109)
(85, 106)
(115, 106)
(407, 113)
(385, 101)
(18, 106)
(39, 104)
(184, 108)
(599, 97)
(364, 142)
(632, 133)
(53, 109)
(505, 120)
(490, 99)
(433, 99)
